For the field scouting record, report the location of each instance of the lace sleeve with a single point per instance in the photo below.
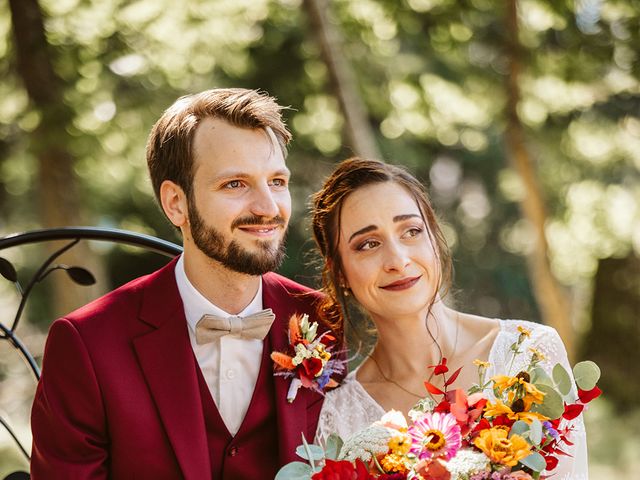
(346, 410)
(547, 341)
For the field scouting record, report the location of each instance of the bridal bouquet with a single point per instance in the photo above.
(514, 434)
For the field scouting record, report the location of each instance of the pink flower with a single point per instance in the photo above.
(435, 435)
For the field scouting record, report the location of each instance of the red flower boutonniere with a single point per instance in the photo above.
(312, 362)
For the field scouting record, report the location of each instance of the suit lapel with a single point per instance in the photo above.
(167, 360)
(292, 417)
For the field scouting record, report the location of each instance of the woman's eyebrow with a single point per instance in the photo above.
(396, 219)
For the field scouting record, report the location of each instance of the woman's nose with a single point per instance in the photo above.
(396, 258)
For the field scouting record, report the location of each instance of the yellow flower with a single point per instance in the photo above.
(393, 463)
(502, 382)
(480, 363)
(496, 409)
(400, 444)
(524, 331)
(500, 448)
(537, 355)
(531, 395)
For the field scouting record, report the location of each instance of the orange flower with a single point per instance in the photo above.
(283, 360)
(394, 463)
(496, 445)
(295, 335)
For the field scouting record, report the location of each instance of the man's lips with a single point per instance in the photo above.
(402, 284)
(260, 230)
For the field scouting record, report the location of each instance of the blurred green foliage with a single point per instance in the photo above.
(432, 75)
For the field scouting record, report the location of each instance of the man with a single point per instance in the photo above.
(137, 385)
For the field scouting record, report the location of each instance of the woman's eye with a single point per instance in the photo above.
(368, 245)
(413, 232)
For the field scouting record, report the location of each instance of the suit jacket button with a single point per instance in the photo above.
(233, 451)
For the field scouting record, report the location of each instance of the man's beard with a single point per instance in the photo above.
(232, 255)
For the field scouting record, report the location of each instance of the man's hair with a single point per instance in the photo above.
(170, 144)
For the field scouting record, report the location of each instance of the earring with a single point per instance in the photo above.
(346, 291)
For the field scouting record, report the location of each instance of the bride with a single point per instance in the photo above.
(382, 248)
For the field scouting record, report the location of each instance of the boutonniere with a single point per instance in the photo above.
(312, 361)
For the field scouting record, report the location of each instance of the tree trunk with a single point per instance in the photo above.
(359, 133)
(57, 192)
(551, 298)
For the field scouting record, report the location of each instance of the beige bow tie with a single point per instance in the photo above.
(254, 326)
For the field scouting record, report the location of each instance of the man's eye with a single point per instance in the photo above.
(279, 182)
(233, 184)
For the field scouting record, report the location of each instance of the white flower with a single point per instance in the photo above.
(394, 419)
(466, 463)
(302, 353)
(372, 440)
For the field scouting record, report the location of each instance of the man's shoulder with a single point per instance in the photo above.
(292, 287)
(123, 301)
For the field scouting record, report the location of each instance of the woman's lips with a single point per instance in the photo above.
(402, 284)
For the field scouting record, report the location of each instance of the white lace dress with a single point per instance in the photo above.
(349, 408)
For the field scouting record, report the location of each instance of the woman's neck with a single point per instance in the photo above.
(407, 346)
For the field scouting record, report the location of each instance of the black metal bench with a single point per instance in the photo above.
(79, 274)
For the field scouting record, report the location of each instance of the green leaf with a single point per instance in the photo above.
(316, 452)
(553, 405)
(587, 374)
(562, 379)
(7, 270)
(295, 471)
(519, 428)
(535, 432)
(333, 447)
(535, 462)
(540, 377)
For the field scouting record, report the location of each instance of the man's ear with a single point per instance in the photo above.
(174, 203)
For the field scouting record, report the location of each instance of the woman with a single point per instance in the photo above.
(383, 248)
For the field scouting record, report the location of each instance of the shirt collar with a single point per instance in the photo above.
(196, 305)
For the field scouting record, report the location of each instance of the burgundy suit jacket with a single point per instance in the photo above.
(119, 395)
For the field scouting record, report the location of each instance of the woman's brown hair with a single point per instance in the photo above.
(350, 175)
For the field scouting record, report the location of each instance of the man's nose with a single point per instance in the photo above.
(264, 203)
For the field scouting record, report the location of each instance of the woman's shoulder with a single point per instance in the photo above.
(543, 338)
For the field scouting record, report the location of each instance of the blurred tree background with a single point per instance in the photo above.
(522, 118)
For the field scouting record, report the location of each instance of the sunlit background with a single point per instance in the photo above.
(454, 90)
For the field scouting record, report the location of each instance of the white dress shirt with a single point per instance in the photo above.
(230, 365)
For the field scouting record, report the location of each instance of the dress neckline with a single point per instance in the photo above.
(351, 377)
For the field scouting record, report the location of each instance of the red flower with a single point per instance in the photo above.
(552, 462)
(342, 470)
(467, 409)
(586, 396)
(440, 368)
(572, 411)
(433, 469)
(312, 366)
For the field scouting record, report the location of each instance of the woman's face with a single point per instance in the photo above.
(387, 256)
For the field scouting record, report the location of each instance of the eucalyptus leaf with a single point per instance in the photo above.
(562, 379)
(587, 374)
(317, 453)
(333, 447)
(81, 276)
(535, 432)
(7, 270)
(552, 406)
(519, 428)
(540, 377)
(534, 461)
(295, 471)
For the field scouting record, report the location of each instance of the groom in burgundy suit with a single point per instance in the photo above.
(134, 385)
